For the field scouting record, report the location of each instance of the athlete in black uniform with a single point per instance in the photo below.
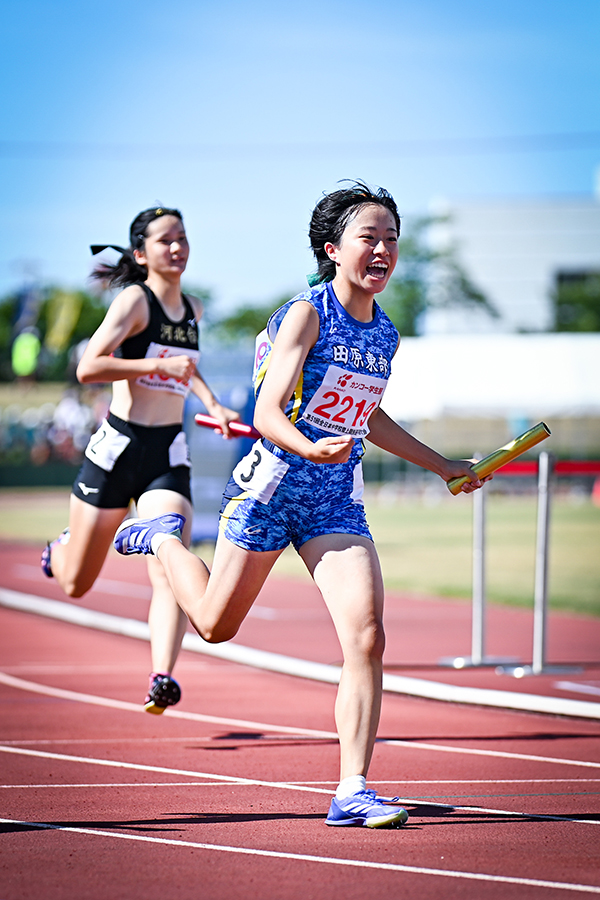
(147, 346)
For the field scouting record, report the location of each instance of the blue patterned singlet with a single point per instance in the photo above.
(275, 497)
(344, 374)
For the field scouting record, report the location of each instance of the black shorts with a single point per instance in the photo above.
(124, 460)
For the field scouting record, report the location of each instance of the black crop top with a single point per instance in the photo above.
(161, 330)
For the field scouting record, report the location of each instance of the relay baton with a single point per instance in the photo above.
(506, 454)
(238, 429)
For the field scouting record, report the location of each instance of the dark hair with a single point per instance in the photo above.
(128, 270)
(331, 216)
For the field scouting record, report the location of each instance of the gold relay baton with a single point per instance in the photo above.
(506, 454)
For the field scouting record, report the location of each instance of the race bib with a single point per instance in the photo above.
(259, 473)
(344, 401)
(179, 452)
(106, 445)
(162, 382)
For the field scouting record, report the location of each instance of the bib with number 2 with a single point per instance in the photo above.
(106, 445)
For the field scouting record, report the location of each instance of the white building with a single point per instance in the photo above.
(525, 377)
(515, 251)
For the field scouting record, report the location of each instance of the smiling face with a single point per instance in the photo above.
(166, 249)
(367, 253)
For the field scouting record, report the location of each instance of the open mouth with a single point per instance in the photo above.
(377, 270)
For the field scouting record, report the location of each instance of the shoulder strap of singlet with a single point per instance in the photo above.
(148, 292)
(150, 297)
(190, 312)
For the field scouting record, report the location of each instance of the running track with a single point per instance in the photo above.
(225, 796)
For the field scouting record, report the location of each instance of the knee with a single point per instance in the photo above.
(74, 588)
(216, 633)
(369, 642)
(377, 642)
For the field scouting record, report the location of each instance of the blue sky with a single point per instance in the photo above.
(243, 114)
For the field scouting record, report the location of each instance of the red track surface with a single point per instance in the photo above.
(225, 796)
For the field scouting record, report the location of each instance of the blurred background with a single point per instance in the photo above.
(484, 123)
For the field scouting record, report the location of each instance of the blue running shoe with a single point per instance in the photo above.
(134, 535)
(366, 808)
(46, 559)
(163, 691)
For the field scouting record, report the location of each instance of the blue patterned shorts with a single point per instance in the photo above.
(309, 500)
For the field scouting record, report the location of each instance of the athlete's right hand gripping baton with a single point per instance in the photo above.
(506, 454)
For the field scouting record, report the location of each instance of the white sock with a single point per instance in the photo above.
(157, 539)
(351, 785)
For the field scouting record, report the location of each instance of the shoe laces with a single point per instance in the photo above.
(373, 795)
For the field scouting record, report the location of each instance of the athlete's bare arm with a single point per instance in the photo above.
(390, 436)
(126, 316)
(200, 388)
(297, 334)
(223, 414)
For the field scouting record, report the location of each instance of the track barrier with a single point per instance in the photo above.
(546, 468)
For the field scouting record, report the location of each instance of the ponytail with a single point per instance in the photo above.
(128, 270)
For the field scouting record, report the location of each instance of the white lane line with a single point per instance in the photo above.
(219, 740)
(78, 669)
(127, 588)
(468, 781)
(36, 688)
(497, 754)
(582, 688)
(243, 723)
(139, 767)
(326, 860)
(101, 585)
(406, 801)
(302, 668)
(332, 784)
(490, 811)
(283, 785)
(116, 784)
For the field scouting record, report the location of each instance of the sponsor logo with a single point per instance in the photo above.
(85, 489)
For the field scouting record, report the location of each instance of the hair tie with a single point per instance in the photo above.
(315, 279)
(98, 248)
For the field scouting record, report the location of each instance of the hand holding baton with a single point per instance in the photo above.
(506, 454)
(238, 429)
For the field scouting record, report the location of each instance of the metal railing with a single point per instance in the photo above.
(546, 468)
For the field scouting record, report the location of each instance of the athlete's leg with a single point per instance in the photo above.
(77, 564)
(166, 620)
(346, 570)
(216, 607)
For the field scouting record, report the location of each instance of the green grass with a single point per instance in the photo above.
(429, 549)
(33, 514)
(33, 394)
(425, 549)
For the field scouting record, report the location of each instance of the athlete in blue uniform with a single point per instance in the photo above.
(147, 346)
(321, 370)
(343, 379)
